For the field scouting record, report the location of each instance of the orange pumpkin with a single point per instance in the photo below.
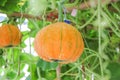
(10, 35)
(59, 42)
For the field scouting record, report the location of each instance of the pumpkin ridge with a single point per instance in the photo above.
(82, 45)
(60, 44)
(48, 53)
(9, 29)
(19, 35)
(77, 44)
(45, 56)
(15, 37)
(75, 47)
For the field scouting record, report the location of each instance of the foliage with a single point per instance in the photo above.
(100, 28)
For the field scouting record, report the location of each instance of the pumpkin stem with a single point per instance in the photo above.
(58, 71)
(60, 16)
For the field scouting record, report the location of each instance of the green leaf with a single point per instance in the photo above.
(50, 75)
(25, 33)
(23, 4)
(25, 37)
(16, 53)
(46, 65)
(22, 74)
(33, 25)
(1, 51)
(25, 57)
(10, 6)
(33, 72)
(23, 45)
(114, 41)
(11, 75)
(28, 58)
(33, 33)
(2, 2)
(115, 70)
(2, 61)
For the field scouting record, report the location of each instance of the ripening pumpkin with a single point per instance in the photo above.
(10, 35)
(59, 42)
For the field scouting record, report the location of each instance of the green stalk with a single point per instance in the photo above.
(110, 18)
(68, 71)
(81, 27)
(60, 17)
(39, 74)
(114, 5)
(99, 36)
(72, 4)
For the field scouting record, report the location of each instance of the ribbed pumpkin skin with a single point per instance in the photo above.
(10, 35)
(59, 42)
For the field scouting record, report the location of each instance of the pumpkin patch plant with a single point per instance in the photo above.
(53, 28)
(59, 42)
(10, 35)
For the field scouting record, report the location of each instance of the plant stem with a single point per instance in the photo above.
(58, 71)
(60, 17)
(39, 74)
(99, 37)
(19, 66)
(81, 27)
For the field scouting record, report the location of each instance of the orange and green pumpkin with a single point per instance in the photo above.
(59, 42)
(10, 35)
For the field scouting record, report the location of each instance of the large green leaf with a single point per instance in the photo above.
(46, 65)
(28, 58)
(25, 37)
(11, 74)
(114, 70)
(10, 6)
(32, 24)
(25, 33)
(2, 61)
(1, 51)
(50, 75)
(2, 2)
(22, 74)
(33, 33)
(33, 72)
